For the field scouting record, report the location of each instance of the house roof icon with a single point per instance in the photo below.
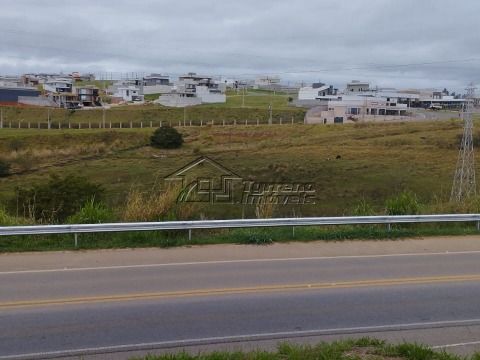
(216, 167)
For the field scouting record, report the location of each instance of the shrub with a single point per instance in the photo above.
(405, 203)
(5, 219)
(15, 144)
(57, 199)
(8, 220)
(166, 137)
(91, 213)
(363, 208)
(4, 168)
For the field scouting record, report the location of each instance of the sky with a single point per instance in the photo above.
(390, 43)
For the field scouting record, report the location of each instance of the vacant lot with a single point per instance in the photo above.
(346, 163)
(253, 107)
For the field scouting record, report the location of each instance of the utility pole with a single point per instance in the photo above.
(270, 118)
(1, 118)
(243, 97)
(464, 182)
(103, 116)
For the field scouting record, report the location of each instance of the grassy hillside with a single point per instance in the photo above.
(346, 163)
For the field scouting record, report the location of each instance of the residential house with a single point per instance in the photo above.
(192, 89)
(157, 84)
(357, 108)
(58, 85)
(128, 94)
(356, 86)
(88, 95)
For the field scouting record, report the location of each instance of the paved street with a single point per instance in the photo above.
(113, 304)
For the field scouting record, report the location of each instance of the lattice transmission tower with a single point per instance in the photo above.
(464, 183)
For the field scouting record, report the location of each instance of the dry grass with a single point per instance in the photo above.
(155, 205)
(152, 205)
(265, 209)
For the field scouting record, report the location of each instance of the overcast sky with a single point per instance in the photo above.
(328, 40)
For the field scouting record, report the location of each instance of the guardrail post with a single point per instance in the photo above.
(293, 231)
(75, 235)
(389, 227)
(189, 235)
(478, 225)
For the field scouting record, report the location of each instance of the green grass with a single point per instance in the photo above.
(258, 100)
(364, 348)
(144, 114)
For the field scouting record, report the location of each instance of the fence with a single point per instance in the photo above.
(235, 223)
(50, 118)
(138, 124)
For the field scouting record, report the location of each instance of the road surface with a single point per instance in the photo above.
(115, 304)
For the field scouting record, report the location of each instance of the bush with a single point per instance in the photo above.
(405, 203)
(91, 213)
(363, 208)
(166, 137)
(4, 168)
(9, 220)
(6, 219)
(57, 199)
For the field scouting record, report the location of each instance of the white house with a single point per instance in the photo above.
(192, 89)
(315, 91)
(356, 86)
(58, 85)
(210, 95)
(129, 94)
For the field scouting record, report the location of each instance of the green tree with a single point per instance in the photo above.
(166, 137)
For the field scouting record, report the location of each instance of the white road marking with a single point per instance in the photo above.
(238, 338)
(218, 262)
(456, 345)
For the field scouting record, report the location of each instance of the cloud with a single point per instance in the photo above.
(308, 40)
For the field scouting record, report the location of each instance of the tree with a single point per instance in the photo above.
(166, 137)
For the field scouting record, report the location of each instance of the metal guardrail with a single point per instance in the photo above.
(236, 223)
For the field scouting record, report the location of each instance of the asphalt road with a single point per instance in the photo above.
(126, 305)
